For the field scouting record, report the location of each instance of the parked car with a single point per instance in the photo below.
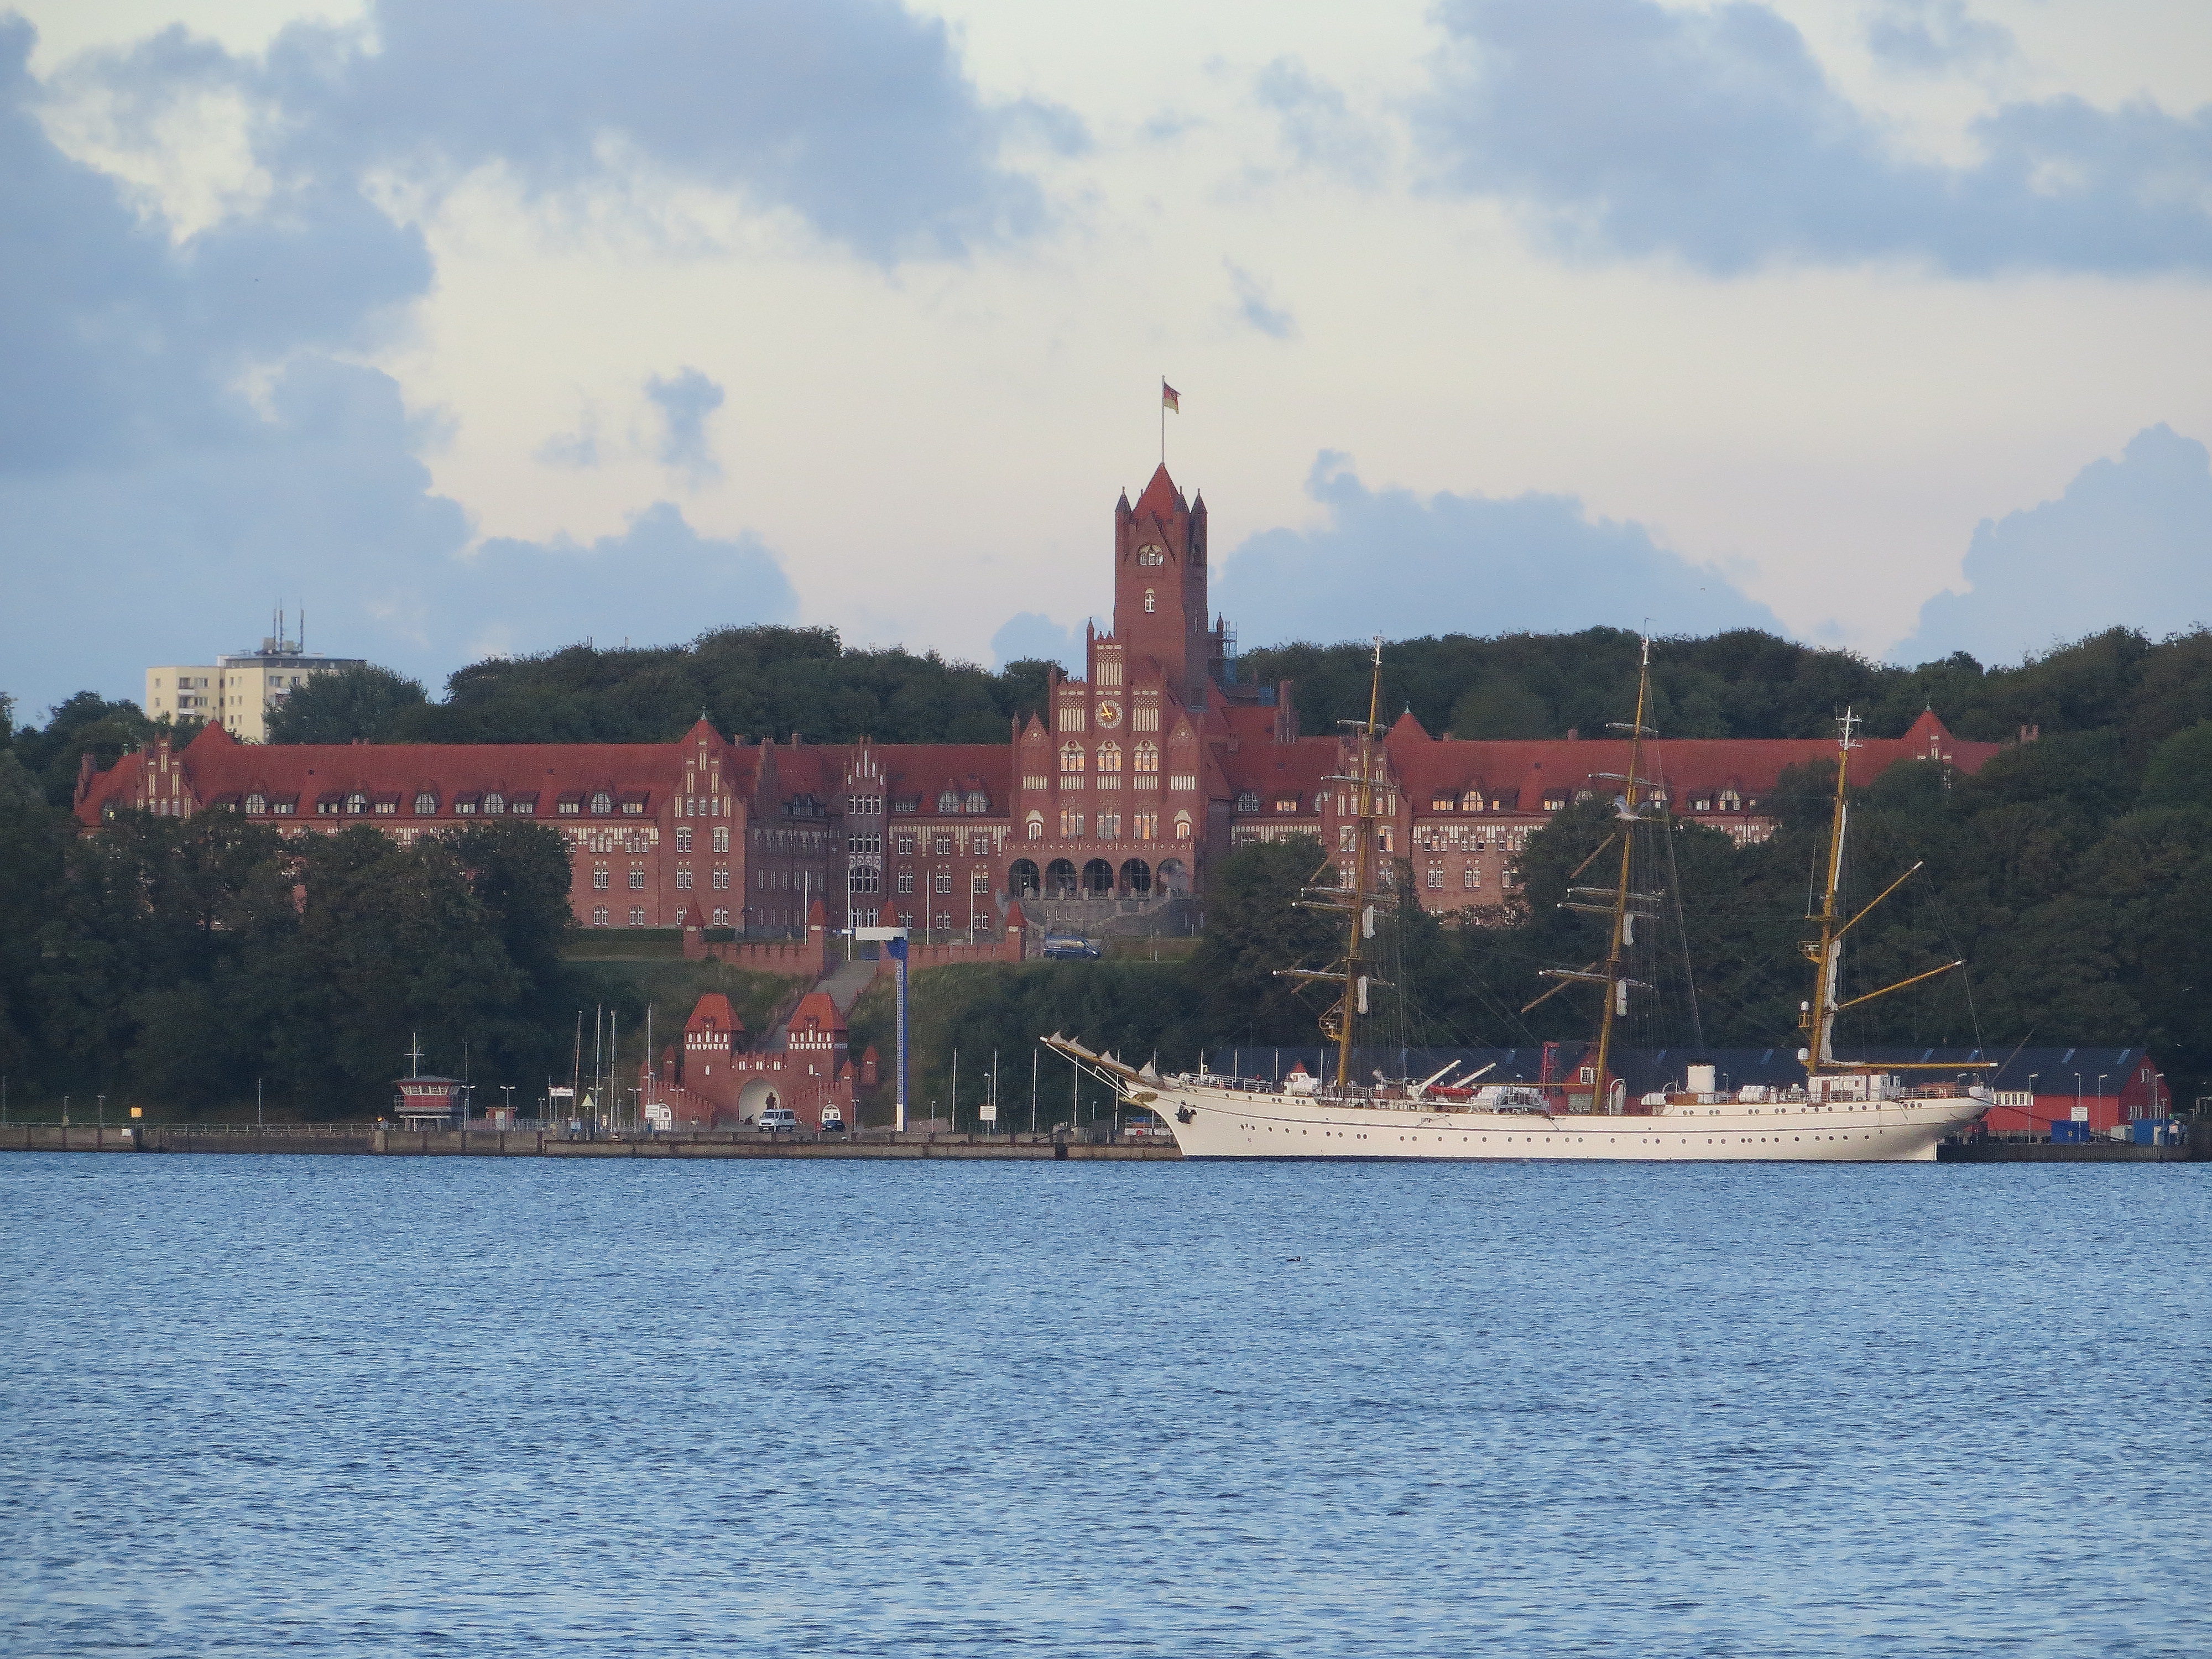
(833, 1120)
(777, 1117)
(1064, 948)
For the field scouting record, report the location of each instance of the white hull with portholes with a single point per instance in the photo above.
(1216, 1119)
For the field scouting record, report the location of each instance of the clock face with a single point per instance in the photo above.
(1109, 714)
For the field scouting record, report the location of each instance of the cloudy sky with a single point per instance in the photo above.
(485, 328)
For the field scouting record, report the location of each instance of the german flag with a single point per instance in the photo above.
(1170, 398)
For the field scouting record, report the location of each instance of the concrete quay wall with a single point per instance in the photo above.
(2001, 1151)
(530, 1143)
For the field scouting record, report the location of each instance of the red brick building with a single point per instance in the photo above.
(1106, 812)
(712, 1080)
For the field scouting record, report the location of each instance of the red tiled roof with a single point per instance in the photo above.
(714, 1012)
(217, 767)
(924, 769)
(816, 1013)
(1521, 773)
(1278, 770)
(1161, 497)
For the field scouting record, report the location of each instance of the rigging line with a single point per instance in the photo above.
(1966, 976)
(1681, 925)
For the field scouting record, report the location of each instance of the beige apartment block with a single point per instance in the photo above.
(241, 690)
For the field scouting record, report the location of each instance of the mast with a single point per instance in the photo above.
(1357, 899)
(1818, 1018)
(1620, 904)
(1622, 929)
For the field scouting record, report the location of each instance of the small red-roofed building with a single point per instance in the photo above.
(715, 1082)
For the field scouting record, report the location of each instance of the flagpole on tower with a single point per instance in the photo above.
(1170, 399)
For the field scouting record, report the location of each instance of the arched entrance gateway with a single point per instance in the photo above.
(1099, 879)
(1060, 879)
(1137, 878)
(1022, 879)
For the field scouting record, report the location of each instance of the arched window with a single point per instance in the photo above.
(1182, 826)
(1098, 879)
(978, 801)
(1022, 880)
(1037, 826)
(1060, 879)
(1148, 757)
(1071, 757)
(356, 802)
(948, 801)
(426, 805)
(256, 804)
(494, 802)
(1109, 757)
(1471, 801)
(1150, 603)
(1137, 878)
(602, 802)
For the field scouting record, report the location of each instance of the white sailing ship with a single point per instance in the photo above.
(1844, 1112)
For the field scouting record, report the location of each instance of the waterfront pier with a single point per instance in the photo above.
(374, 1141)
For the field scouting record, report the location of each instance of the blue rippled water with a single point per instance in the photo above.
(344, 1406)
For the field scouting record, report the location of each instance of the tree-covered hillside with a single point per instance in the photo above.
(752, 681)
(1746, 684)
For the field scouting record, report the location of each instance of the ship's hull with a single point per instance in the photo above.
(1212, 1121)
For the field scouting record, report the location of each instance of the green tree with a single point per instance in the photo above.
(365, 703)
(87, 724)
(1501, 708)
(33, 837)
(2179, 773)
(1255, 925)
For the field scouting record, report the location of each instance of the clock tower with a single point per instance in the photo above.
(1160, 585)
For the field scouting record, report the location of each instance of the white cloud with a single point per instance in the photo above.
(2129, 543)
(1392, 562)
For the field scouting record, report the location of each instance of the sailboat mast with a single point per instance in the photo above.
(1819, 1017)
(1362, 801)
(1616, 988)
